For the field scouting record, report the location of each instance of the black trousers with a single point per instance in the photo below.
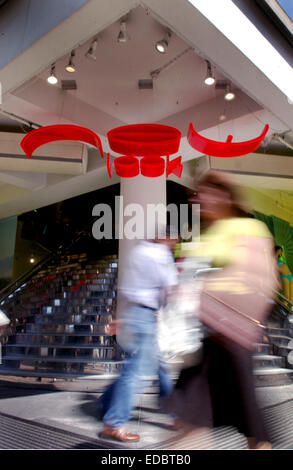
(220, 390)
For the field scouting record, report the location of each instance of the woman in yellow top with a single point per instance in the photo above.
(220, 390)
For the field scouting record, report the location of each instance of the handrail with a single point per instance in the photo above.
(283, 297)
(8, 290)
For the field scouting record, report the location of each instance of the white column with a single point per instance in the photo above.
(140, 190)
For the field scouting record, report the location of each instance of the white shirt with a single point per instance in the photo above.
(150, 273)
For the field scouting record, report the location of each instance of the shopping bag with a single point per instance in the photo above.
(4, 320)
(180, 331)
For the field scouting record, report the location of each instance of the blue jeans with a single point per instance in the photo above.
(118, 400)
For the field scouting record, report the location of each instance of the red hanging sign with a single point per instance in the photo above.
(215, 148)
(143, 146)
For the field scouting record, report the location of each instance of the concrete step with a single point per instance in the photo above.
(277, 331)
(268, 360)
(264, 348)
(272, 376)
(280, 340)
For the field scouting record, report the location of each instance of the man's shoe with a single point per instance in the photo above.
(119, 434)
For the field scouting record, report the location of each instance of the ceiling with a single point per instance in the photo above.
(109, 85)
(108, 95)
(111, 82)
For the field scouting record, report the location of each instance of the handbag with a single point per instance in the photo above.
(235, 301)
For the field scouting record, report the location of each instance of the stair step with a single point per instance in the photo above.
(267, 360)
(280, 339)
(264, 348)
(277, 331)
(59, 346)
(64, 359)
(273, 376)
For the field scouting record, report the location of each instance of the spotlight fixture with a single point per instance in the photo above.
(91, 53)
(52, 79)
(32, 259)
(70, 67)
(162, 45)
(123, 36)
(229, 95)
(209, 80)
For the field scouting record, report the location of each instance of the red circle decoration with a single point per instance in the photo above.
(152, 166)
(126, 167)
(144, 139)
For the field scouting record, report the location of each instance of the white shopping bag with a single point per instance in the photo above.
(180, 330)
(4, 320)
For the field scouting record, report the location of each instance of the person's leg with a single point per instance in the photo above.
(165, 380)
(250, 415)
(105, 400)
(122, 394)
(123, 390)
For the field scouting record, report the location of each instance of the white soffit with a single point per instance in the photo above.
(248, 39)
(64, 157)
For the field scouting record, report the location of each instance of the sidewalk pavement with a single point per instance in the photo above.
(72, 407)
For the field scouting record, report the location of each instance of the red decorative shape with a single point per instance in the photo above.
(174, 166)
(144, 139)
(223, 149)
(126, 166)
(152, 166)
(109, 164)
(46, 134)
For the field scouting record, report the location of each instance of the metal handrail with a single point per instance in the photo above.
(8, 290)
(283, 297)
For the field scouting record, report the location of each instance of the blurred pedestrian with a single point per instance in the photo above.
(234, 302)
(149, 276)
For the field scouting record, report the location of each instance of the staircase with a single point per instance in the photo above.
(58, 321)
(271, 365)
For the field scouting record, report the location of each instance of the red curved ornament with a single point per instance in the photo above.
(126, 167)
(215, 148)
(109, 164)
(174, 166)
(144, 139)
(46, 134)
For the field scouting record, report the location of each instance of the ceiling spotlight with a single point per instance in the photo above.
(32, 259)
(162, 45)
(91, 53)
(209, 80)
(229, 94)
(52, 79)
(70, 67)
(123, 36)
(222, 117)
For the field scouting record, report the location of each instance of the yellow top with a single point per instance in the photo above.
(218, 242)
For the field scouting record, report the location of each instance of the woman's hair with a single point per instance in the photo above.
(216, 179)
